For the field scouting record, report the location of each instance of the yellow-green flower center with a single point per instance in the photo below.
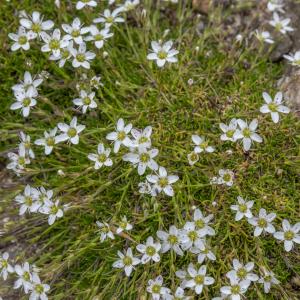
(200, 223)
(99, 37)
(150, 250)
(50, 141)
(156, 288)
(109, 19)
(22, 40)
(28, 201)
(246, 132)
(87, 101)
(39, 288)
(72, 132)
(26, 276)
(262, 223)
(26, 102)
(36, 28)
(230, 133)
(241, 273)
(80, 57)
(163, 182)
(21, 160)
(193, 235)
(162, 54)
(127, 260)
(54, 44)
(289, 235)
(143, 140)
(243, 208)
(235, 289)
(121, 135)
(172, 239)
(144, 157)
(273, 107)
(102, 157)
(75, 33)
(199, 279)
(227, 177)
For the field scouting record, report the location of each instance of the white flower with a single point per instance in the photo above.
(25, 141)
(201, 144)
(281, 24)
(143, 159)
(203, 252)
(124, 225)
(101, 158)
(242, 272)
(44, 195)
(24, 101)
(5, 266)
(247, 133)
(193, 157)
(35, 24)
(83, 3)
(149, 250)
(183, 275)
(53, 43)
(170, 240)
(289, 235)
(24, 273)
(293, 58)
(156, 289)
(274, 107)
(243, 209)
(229, 131)
(163, 53)
(109, 18)
(105, 231)
(236, 289)
(99, 36)
(130, 5)
(192, 239)
(70, 132)
(81, 57)
(39, 289)
(28, 200)
(120, 136)
(85, 101)
(64, 55)
(198, 279)
(21, 39)
(267, 279)
(142, 138)
(95, 82)
(127, 262)
(225, 177)
(48, 141)
(264, 36)
(163, 181)
(274, 5)
(262, 223)
(179, 294)
(146, 188)
(75, 31)
(18, 161)
(202, 223)
(28, 83)
(53, 210)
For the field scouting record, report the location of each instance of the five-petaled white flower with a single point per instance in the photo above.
(289, 235)
(170, 240)
(18, 161)
(242, 272)
(229, 131)
(24, 274)
(149, 250)
(120, 136)
(192, 238)
(101, 158)
(201, 144)
(48, 141)
(5, 266)
(204, 252)
(85, 101)
(75, 31)
(28, 83)
(293, 58)
(21, 39)
(163, 182)
(263, 223)
(123, 225)
(274, 107)
(163, 53)
(39, 289)
(202, 223)
(99, 36)
(25, 141)
(53, 43)
(130, 5)
(281, 24)
(70, 132)
(267, 279)
(156, 288)
(105, 231)
(83, 3)
(53, 210)
(35, 24)
(264, 36)
(28, 200)
(24, 101)
(178, 295)
(225, 177)
(247, 133)
(193, 157)
(198, 278)
(109, 18)
(127, 262)
(243, 209)
(82, 57)
(236, 288)
(142, 159)
(275, 5)
(142, 138)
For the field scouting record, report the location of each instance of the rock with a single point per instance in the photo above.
(202, 6)
(289, 84)
(283, 46)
